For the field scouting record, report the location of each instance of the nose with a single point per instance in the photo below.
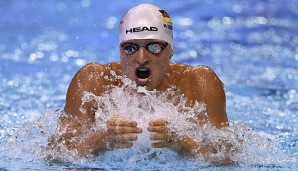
(142, 58)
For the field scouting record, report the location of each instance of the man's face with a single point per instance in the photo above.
(142, 66)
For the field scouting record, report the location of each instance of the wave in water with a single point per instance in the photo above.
(28, 143)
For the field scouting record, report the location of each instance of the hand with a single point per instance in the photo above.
(163, 136)
(121, 132)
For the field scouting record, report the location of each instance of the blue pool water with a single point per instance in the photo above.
(252, 45)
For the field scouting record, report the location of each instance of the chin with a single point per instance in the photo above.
(143, 82)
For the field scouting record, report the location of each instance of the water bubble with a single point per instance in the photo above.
(24, 46)
(64, 59)
(85, 3)
(54, 57)
(227, 20)
(189, 33)
(237, 9)
(39, 54)
(70, 53)
(193, 53)
(80, 62)
(185, 21)
(111, 22)
(214, 23)
(32, 57)
(261, 20)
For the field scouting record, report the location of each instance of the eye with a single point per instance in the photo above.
(154, 48)
(130, 48)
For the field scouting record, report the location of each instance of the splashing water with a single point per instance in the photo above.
(143, 106)
(28, 143)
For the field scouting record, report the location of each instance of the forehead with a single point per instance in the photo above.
(143, 41)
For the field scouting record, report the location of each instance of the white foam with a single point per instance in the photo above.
(29, 142)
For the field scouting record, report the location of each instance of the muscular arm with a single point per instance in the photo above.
(76, 129)
(201, 84)
(208, 88)
(77, 120)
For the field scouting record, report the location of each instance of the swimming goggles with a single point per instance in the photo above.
(154, 47)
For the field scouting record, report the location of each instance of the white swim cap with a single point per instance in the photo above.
(146, 21)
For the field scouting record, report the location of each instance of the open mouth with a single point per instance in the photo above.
(142, 72)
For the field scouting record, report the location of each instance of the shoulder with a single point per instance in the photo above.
(192, 72)
(205, 79)
(179, 69)
(97, 69)
(96, 75)
(203, 72)
(201, 77)
(179, 66)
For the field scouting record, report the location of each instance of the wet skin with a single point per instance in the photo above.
(197, 83)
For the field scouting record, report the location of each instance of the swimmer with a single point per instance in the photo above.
(146, 47)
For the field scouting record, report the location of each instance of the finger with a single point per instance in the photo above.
(158, 122)
(122, 122)
(163, 136)
(120, 145)
(162, 144)
(159, 129)
(123, 137)
(129, 123)
(124, 129)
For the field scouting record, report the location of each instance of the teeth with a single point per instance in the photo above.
(143, 69)
(143, 72)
